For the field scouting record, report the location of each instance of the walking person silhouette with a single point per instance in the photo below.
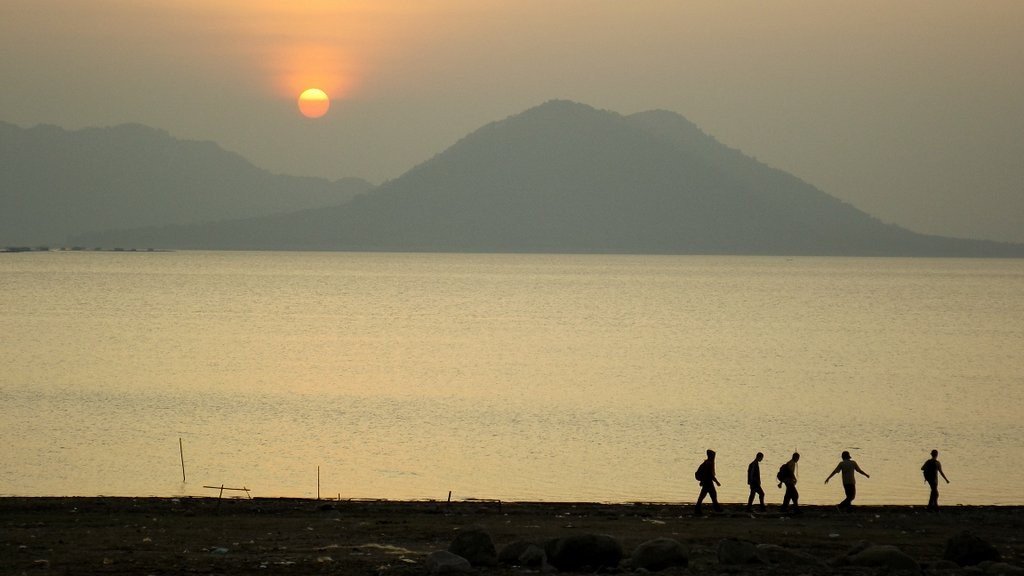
(847, 467)
(787, 476)
(754, 481)
(932, 469)
(705, 474)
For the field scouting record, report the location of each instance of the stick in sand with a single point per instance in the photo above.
(181, 451)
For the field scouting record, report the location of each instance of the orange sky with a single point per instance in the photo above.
(909, 110)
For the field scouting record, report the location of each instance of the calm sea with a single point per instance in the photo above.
(519, 377)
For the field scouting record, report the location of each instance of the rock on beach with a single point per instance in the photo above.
(884, 556)
(523, 553)
(966, 549)
(476, 546)
(659, 554)
(584, 551)
(444, 562)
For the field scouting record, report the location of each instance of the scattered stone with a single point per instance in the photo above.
(534, 557)
(702, 558)
(385, 548)
(773, 554)
(966, 549)
(733, 551)
(844, 560)
(522, 553)
(509, 554)
(1001, 568)
(659, 554)
(444, 562)
(476, 546)
(591, 551)
(885, 556)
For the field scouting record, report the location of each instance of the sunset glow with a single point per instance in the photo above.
(314, 103)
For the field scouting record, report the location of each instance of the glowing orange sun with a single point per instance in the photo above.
(313, 103)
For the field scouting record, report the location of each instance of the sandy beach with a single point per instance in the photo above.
(105, 535)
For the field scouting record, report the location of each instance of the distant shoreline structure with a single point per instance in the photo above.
(24, 249)
(120, 250)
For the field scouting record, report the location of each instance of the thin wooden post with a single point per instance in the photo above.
(222, 488)
(317, 482)
(181, 452)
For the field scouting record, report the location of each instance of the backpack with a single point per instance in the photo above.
(930, 471)
(702, 472)
(783, 474)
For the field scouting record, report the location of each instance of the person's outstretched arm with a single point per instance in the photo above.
(834, 472)
(857, 468)
(943, 474)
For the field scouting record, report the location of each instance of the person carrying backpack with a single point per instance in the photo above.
(705, 474)
(932, 469)
(787, 476)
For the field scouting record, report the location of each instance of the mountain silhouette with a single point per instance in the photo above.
(565, 177)
(56, 183)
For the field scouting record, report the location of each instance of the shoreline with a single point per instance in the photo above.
(162, 535)
(238, 494)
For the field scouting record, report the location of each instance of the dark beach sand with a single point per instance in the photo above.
(104, 535)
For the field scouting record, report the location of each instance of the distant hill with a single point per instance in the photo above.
(564, 177)
(56, 183)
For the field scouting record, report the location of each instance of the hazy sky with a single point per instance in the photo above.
(912, 110)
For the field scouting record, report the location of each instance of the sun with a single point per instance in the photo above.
(314, 103)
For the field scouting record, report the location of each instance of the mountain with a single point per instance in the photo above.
(56, 183)
(565, 177)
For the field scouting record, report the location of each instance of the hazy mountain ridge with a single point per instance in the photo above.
(56, 183)
(565, 177)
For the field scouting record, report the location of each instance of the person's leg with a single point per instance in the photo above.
(714, 497)
(700, 498)
(760, 497)
(750, 499)
(851, 493)
(796, 499)
(787, 497)
(933, 497)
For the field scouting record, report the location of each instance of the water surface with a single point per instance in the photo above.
(506, 376)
